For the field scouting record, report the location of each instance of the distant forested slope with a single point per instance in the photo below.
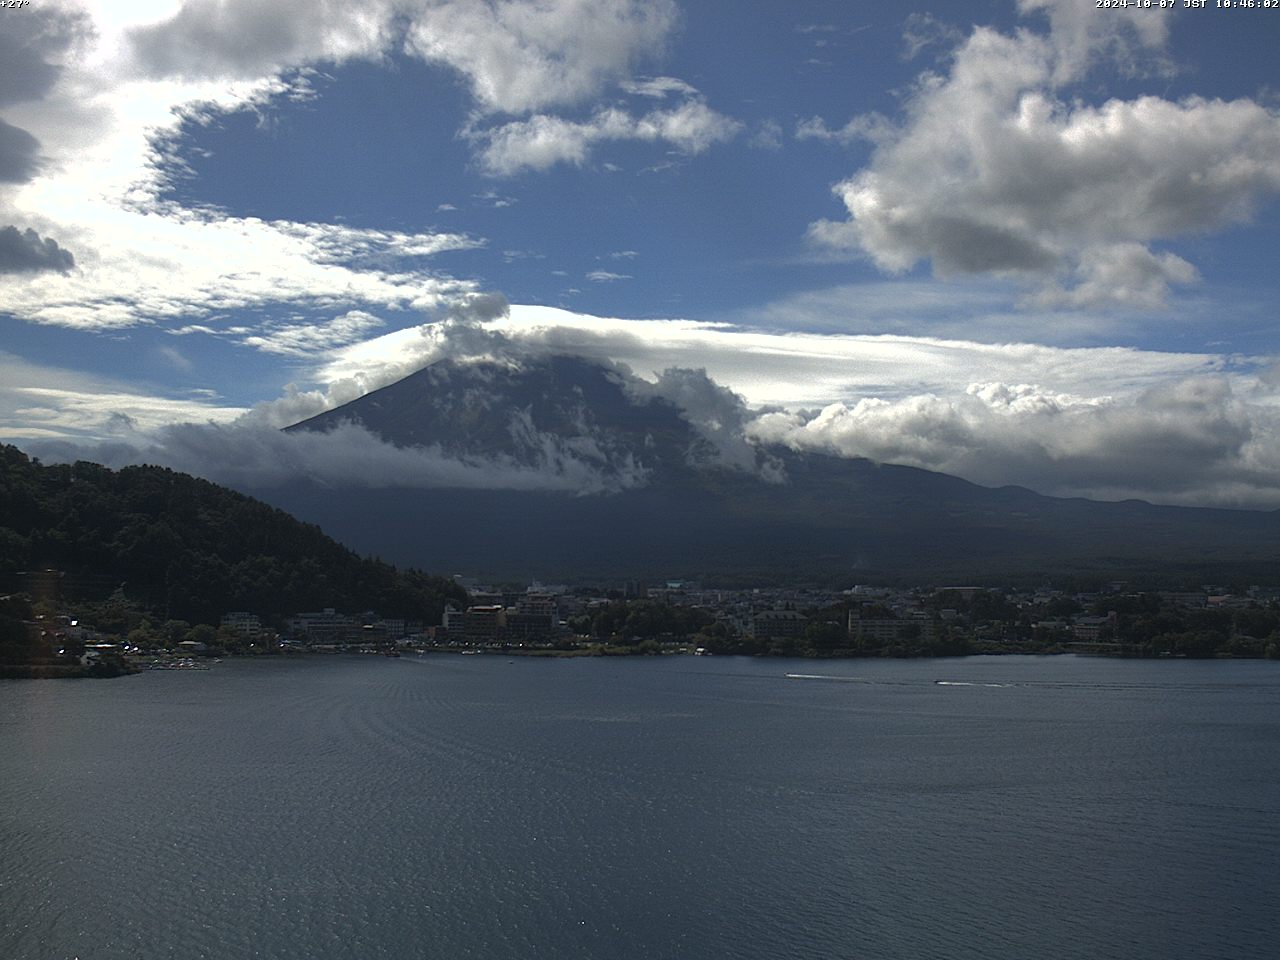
(187, 548)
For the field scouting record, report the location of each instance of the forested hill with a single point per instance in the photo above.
(187, 548)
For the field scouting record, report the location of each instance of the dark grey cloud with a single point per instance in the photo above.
(32, 49)
(964, 245)
(718, 414)
(26, 251)
(480, 307)
(24, 73)
(19, 154)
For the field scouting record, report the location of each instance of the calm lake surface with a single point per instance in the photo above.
(446, 807)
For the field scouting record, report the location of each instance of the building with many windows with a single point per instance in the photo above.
(246, 624)
(325, 626)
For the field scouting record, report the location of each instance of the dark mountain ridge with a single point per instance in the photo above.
(672, 503)
(186, 548)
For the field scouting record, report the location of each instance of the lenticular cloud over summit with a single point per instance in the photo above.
(1095, 424)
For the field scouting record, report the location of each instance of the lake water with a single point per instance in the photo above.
(450, 807)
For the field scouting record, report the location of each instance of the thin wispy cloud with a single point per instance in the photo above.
(544, 141)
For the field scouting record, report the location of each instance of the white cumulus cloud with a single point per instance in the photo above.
(542, 141)
(100, 91)
(1199, 440)
(995, 169)
(521, 57)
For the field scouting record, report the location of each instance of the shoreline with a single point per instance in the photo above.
(133, 665)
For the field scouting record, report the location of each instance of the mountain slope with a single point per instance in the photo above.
(677, 505)
(187, 548)
(534, 415)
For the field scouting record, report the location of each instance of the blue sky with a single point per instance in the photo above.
(1024, 242)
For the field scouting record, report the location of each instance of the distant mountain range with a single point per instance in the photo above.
(671, 490)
